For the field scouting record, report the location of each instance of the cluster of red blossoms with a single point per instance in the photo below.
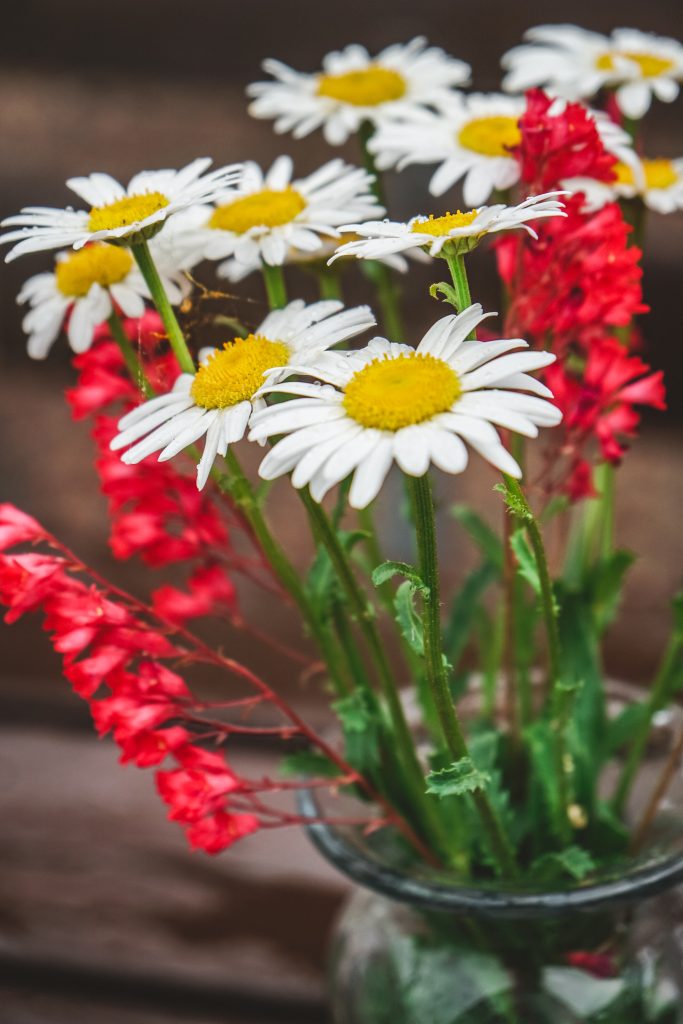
(576, 289)
(155, 510)
(107, 645)
(115, 652)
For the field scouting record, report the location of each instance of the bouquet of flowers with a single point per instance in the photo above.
(479, 743)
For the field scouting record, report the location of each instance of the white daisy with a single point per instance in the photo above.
(268, 216)
(217, 401)
(88, 284)
(574, 63)
(391, 402)
(459, 231)
(353, 88)
(659, 183)
(235, 271)
(471, 138)
(116, 214)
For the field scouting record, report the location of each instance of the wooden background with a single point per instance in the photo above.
(104, 915)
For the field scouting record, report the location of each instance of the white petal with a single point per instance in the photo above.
(411, 450)
(371, 474)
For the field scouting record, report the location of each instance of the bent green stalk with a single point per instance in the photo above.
(145, 261)
(130, 356)
(425, 530)
(276, 290)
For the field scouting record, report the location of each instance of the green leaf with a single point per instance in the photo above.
(447, 290)
(387, 570)
(481, 533)
(461, 777)
(605, 583)
(309, 763)
(547, 812)
(361, 730)
(463, 615)
(553, 867)
(514, 504)
(623, 729)
(526, 563)
(409, 622)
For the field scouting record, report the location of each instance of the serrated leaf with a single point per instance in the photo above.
(387, 570)
(514, 504)
(547, 823)
(442, 288)
(526, 563)
(308, 763)
(459, 778)
(481, 533)
(573, 861)
(409, 622)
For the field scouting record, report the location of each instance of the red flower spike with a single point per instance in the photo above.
(554, 147)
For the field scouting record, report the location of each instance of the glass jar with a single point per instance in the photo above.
(413, 947)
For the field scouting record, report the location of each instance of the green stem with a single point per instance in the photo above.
(461, 287)
(276, 290)
(559, 696)
(365, 133)
(365, 617)
(425, 530)
(130, 356)
(381, 275)
(329, 284)
(659, 696)
(548, 607)
(176, 337)
(243, 495)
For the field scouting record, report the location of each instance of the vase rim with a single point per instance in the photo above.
(651, 878)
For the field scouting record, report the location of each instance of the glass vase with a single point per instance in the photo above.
(415, 947)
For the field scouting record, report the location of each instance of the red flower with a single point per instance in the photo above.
(198, 788)
(18, 528)
(600, 401)
(578, 277)
(209, 590)
(557, 146)
(600, 965)
(218, 831)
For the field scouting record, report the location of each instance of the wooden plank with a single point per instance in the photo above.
(94, 879)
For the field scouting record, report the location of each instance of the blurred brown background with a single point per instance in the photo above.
(104, 916)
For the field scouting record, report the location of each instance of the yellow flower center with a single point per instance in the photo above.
(122, 212)
(658, 174)
(366, 88)
(624, 174)
(268, 208)
(389, 394)
(95, 264)
(443, 225)
(650, 66)
(491, 136)
(234, 373)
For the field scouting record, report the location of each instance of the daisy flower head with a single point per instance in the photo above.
(353, 88)
(393, 403)
(574, 63)
(472, 139)
(87, 285)
(658, 182)
(448, 234)
(124, 216)
(217, 401)
(267, 217)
